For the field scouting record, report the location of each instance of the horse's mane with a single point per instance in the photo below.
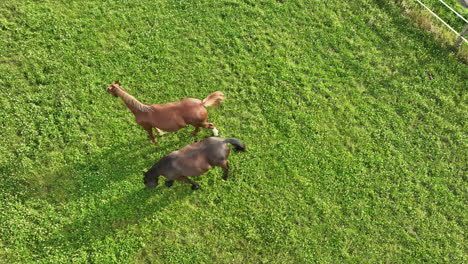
(127, 98)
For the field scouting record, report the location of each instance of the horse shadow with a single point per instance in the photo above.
(124, 160)
(104, 192)
(119, 214)
(111, 198)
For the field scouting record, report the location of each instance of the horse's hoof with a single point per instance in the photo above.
(195, 187)
(169, 183)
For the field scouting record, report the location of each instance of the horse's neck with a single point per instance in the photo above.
(130, 104)
(132, 108)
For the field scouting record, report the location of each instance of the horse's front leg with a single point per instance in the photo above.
(149, 129)
(225, 167)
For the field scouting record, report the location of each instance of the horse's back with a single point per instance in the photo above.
(204, 147)
(165, 117)
(184, 107)
(217, 151)
(191, 102)
(193, 111)
(196, 158)
(190, 161)
(213, 148)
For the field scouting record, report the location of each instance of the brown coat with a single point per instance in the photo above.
(170, 116)
(193, 160)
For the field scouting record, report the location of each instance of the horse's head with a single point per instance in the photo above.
(151, 177)
(112, 89)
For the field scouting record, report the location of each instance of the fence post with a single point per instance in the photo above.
(459, 40)
(464, 3)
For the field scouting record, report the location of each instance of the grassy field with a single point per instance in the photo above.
(354, 153)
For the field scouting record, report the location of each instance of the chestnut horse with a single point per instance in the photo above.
(171, 116)
(193, 160)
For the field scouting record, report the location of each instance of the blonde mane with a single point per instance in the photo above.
(127, 98)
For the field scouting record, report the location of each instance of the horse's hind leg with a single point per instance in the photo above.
(225, 167)
(211, 126)
(160, 132)
(187, 180)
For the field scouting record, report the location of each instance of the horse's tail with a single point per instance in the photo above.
(237, 144)
(213, 99)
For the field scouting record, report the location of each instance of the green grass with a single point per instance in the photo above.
(354, 154)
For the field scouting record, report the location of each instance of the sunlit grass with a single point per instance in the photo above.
(354, 153)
